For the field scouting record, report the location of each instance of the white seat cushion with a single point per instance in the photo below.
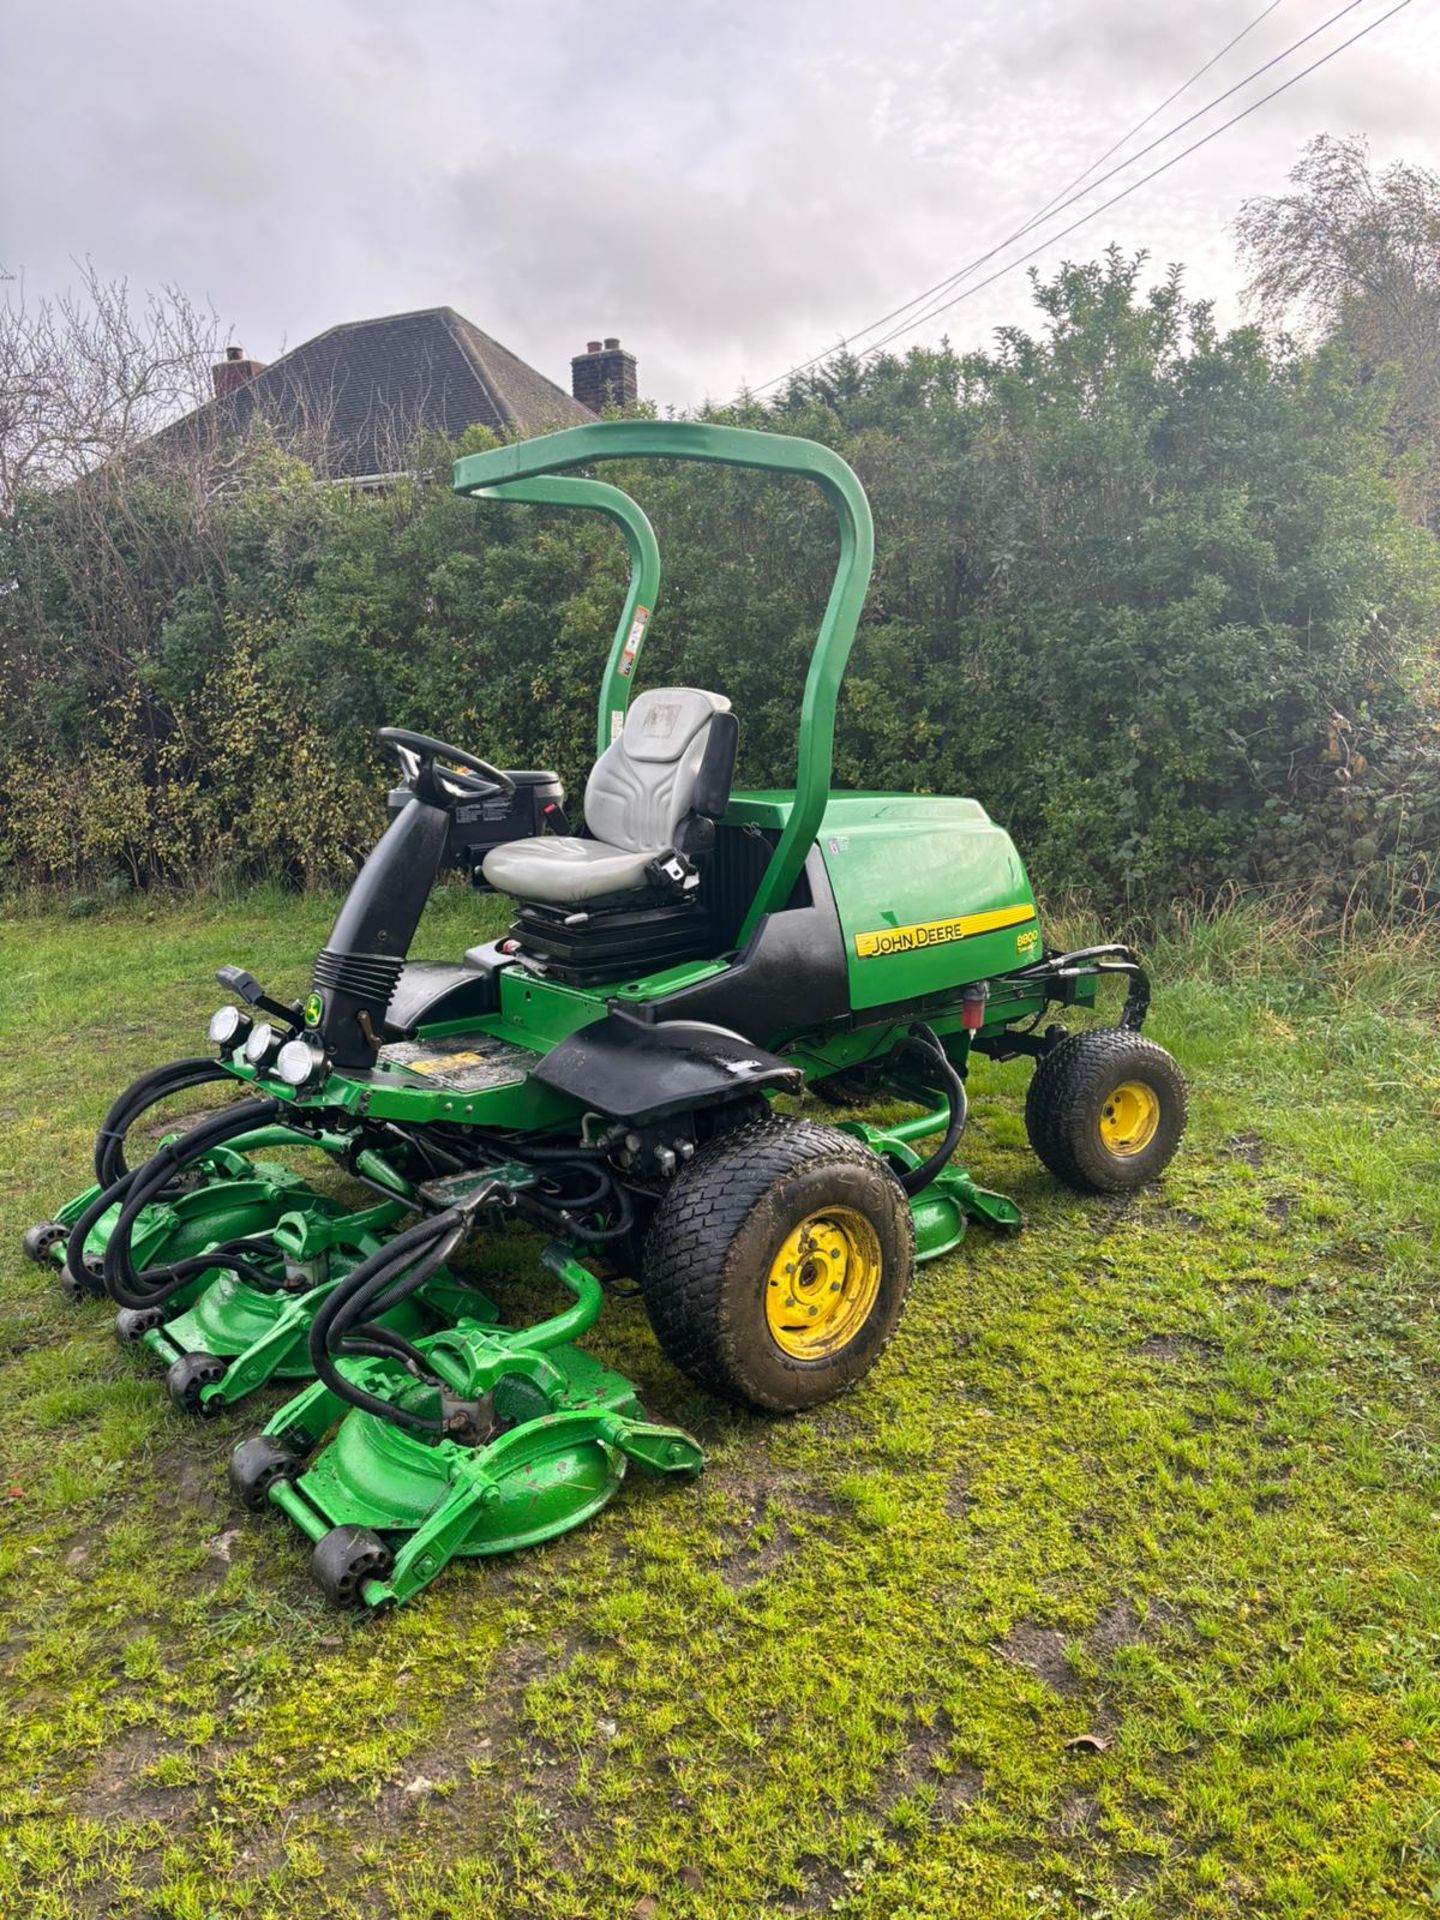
(639, 790)
(557, 871)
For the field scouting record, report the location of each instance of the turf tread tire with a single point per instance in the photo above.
(1067, 1091)
(690, 1287)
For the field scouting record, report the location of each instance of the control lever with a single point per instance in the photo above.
(237, 981)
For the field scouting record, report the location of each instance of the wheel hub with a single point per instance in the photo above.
(1129, 1118)
(823, 1283)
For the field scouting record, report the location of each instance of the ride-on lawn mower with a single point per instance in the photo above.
(607, 1073)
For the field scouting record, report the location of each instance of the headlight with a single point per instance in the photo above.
(300, 1063)
(228, 1028)
(263, 1045)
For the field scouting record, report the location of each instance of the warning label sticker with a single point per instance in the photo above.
(937, 933)
(446, 1063)
(466, 1065)
(633, 639)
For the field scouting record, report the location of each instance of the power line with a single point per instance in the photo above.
(1134, 187)
(1073, 191)
(1154, 113)
(962, 273)
(1059, 204)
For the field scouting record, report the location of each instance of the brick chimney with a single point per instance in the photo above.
(233, 371)
(604, 376)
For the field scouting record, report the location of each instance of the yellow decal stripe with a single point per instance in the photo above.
(937, 933)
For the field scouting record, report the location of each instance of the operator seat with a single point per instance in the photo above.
(653, 795)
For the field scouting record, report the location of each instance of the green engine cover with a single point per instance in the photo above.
(931, 895)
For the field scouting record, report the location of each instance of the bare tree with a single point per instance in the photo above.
(90, 374)
(1354, 255)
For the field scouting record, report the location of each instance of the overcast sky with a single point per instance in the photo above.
(729, 185)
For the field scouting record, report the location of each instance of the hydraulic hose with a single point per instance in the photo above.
(137, 1190)
(1085, 962)
(79, 1235)
(604, 1190)
(148, 1091)
(924, 1041)
(388, 1277)
(592, 1236)
(111, 1167)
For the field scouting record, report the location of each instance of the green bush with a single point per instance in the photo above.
(1143, 588)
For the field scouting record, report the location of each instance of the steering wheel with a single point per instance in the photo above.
(465, 774)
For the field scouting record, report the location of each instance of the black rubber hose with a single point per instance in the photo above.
(527, 1150)
(355, 1297)
(604, 1190)
(924, 1041)
(599, 1189)
(349, 1333)
(1112, 959)
(422, 1141)
(386, 1344)
(126, 1287)
(231, 1255)
(110, 1194)
(148, 1091)
(80, 1233)
(614, 1230)
(389, 1276)
(386, 1289)
(1137, 995)
(111, 1169)
(147, 1184)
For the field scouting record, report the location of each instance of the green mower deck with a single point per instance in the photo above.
(543, 1436)
(217, 1336)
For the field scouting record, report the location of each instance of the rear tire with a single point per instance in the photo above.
(777, 1264)
(1106, 1110)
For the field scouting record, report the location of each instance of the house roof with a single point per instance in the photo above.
(357, 396)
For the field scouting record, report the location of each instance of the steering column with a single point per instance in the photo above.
(357, 970)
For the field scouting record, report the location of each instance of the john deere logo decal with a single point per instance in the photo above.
(937, 933)
(314, 1010)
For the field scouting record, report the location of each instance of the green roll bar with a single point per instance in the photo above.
(498, 472)
(644, 576)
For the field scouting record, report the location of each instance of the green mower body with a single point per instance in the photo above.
(629, 1072)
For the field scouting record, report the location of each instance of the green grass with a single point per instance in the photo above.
(1163, 1472)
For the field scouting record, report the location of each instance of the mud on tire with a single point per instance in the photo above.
(711, 1254)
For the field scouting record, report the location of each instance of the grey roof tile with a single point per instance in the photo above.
(354, 398)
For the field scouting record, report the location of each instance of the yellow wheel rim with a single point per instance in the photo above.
(823, 1283)
(1129, 1118)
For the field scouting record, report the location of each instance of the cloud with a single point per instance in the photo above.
(731, 185)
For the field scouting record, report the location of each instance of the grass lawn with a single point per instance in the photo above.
(1164, 1472)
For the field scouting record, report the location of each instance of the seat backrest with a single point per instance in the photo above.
(644, 783)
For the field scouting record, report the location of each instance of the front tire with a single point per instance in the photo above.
(1106, 1110)
(777, 1264)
